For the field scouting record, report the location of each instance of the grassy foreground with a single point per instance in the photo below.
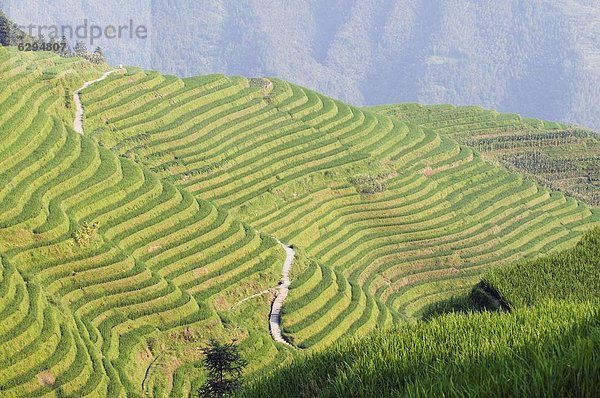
(548, 349)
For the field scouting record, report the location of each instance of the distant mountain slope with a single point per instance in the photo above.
(560, 157)
(9, 33)
(391, 216)
(540, 58)
(109, 277)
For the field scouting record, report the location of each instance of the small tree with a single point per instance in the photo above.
(80, 49)
(225, 366)
(98, 56)
(4, 30)
(65, 48)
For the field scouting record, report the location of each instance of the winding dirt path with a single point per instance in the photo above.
(78, 122)
(275, 316)
(290, 254)
(250, 298)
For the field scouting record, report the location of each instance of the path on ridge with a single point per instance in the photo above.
(275, 316)
(290, 254)
(78, 122)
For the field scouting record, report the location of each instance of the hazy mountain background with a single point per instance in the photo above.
(539, 58)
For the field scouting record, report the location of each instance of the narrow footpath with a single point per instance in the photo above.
(275, 316)
(78, 122)
(290, 254)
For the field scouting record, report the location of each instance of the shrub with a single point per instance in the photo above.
(86, 234)
(369, 184)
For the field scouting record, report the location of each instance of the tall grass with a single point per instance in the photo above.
(549, 351)
(572, 275)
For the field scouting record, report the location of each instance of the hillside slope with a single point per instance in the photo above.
(548, 351)
(124, 250)
(111, 278)
(572, 275)
(545, 344)
(559, 157)
(391, 216)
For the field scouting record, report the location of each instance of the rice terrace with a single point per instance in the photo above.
(150, 223)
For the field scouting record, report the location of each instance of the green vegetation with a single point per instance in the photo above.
(547, 345)
(391, 216)
(548, 351)
(86, 234)
(125, 250)
(369, 184)
(141, 272)
(560, 157)
(11, 35)
(572, 275)
(44, 348)
(224, 365)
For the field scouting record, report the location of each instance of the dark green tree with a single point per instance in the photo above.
(4, 30)
(65, 48)
(225, 366)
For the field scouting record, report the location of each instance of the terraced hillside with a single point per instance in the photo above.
(560, 157)
(542, 343)
(110, 277)
(387, 215)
